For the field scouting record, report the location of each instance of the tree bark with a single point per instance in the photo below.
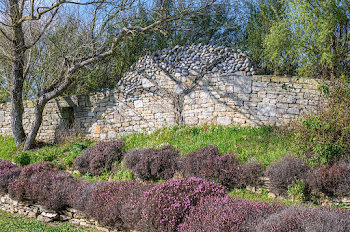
(18, 52)
(38, 118)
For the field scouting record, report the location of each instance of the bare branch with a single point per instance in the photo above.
(44, 29)
(44, 10)
(5, 34)
(29, 61)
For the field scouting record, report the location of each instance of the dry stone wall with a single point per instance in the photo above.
(184, 85)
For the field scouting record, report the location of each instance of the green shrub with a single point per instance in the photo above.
(75, 150)
(325, 137)
(23, 158)
(123, 173)
(298, 190)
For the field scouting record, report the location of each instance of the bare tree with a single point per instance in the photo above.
(24, 23)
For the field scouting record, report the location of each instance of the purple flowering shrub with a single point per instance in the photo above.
(331, 180)
(166, 204)
(99, 158)
(225, 169)
(216, 214)
(284, 172)
(8, 173)
(195, 162)
(302, 219)
(117, 203)
(82, 196)
(153, 164)
(251, 173)
(228, 171)
(50, 188)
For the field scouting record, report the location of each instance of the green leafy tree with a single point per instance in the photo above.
(321, 31)
(262, 16)
(278, 50)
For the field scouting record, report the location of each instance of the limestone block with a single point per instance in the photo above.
(103, 136)
(251, 104)
(2, 116)
(112, 134)
(259, 84)
(224, 121)
(243, 97)
(238, 120)
(229, 89)
(191, 120)
(266, 109)
(293, 111)
(96, 129)
(242, 84)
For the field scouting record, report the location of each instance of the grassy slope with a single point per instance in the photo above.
(263, 143)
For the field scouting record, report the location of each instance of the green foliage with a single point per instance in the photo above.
(262, 16)
(299, 36)
(122, 173)
(321, 35)
(9, 222)
(76, 149)
(325, 137)
(263, 144)
(63, 154)
(297, 190)
(261, 196)
(279, 48)
(23, 158)
(7, 147)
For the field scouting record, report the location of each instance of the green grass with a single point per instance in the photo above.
(12, 223)
(7, 147)
(63, 154)
(264, 144)
(262, 197)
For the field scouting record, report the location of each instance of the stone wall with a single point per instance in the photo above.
(224, 100)
(33, 211)
(185, 86)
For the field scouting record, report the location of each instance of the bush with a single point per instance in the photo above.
(227, 170)
(195, 162)
(8, 173)
(306, 219)
(325, 137)
(285, 172)
(117, 203)
(153, 164)
(331, 180)
(226, 214)
(99, 158)
(298, 190)
(22, 159)
(251, 173)
(50, 188)
(81, 199)
(165, 205)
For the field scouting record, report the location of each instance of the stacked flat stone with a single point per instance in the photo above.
(186, 60)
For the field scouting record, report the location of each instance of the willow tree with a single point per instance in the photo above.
(24, 23)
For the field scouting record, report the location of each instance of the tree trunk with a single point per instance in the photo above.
(18, 51)
(38, 118)
(178, 105)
